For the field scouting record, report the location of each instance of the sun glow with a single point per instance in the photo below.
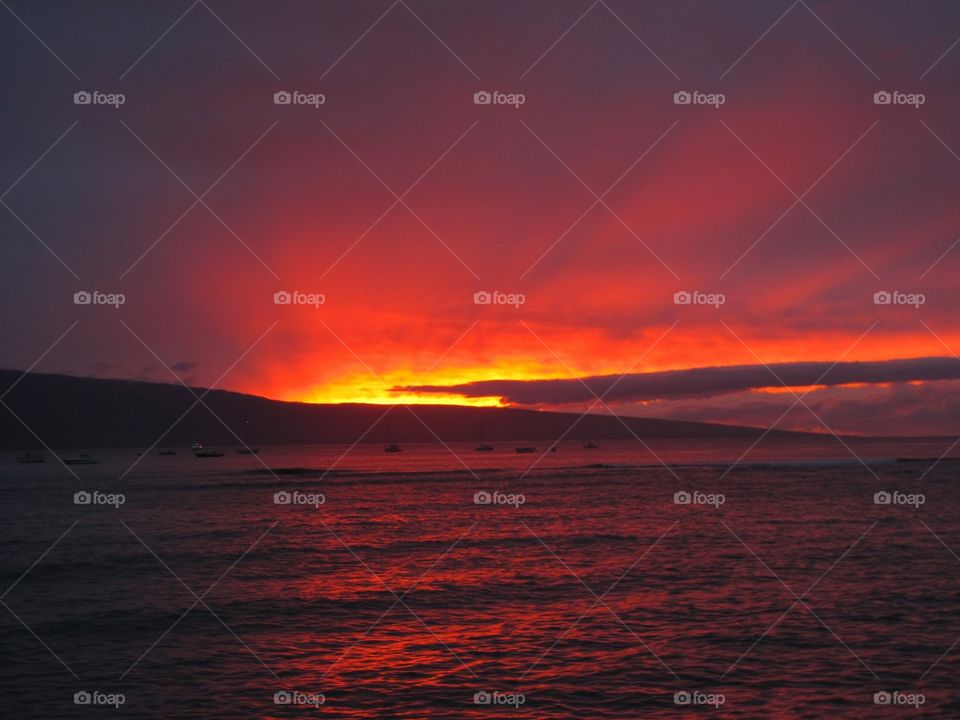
(365, 388)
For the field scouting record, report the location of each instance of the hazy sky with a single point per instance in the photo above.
(398, 198)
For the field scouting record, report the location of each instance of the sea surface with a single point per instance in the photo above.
(679, 579)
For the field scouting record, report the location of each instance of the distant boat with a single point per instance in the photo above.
(81, 459)
(166, 452)
(590, 446)
(483, 447)
(201, 452)
(525, 449)
(389, 445)
(29, 457)
(247, 451)
(554, 448)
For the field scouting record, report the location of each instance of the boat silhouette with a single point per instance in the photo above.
(81, 459)
(483, 447)
(201, 452)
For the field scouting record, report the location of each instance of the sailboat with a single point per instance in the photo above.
(388, 445)
(483, 447)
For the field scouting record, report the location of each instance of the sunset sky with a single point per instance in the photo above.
(399, 198)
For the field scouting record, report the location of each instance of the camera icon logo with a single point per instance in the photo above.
(282, 697)
(282, 98)
(481, 697)
(482, 98)
(682, 498)
(882, 297)
(82, 698)
(682, 297)
(682, 98)
(482, 498)
(881, 698)
(882, 498)
(282, 297)
(82, 498)
(282, 497)
(82, 298)
(682, 697)
(82, 98)
(882, 98)
(482, 297)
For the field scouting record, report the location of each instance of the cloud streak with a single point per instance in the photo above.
(701, 382)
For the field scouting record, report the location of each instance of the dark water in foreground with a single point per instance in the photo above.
(399, 596)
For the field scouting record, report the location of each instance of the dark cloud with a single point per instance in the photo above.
(148, 374)
(183, 366)
(102, 368)
(702, 382)
(918, 409)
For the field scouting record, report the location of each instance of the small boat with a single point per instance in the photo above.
(166, 452)
(554, 448)
(525, 449)
(29, 457)
(590, 446)
(247, 451)
(201, 452)
(392, 448)
(81, 459)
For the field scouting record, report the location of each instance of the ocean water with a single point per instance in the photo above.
(446, 583)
